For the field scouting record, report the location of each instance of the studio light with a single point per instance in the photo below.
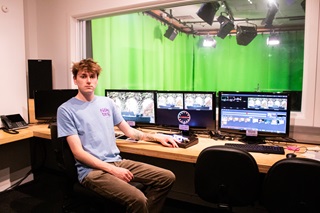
(273, 8)
(171, 33)
(245, 34)
(207, 11)
(273, 39)
(209, 42)
(226, 25)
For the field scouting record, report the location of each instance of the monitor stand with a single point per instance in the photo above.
(185, 132)
(252, 139)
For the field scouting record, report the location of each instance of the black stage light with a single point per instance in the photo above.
(245, 34)
(207, 11)
(226, 25)
(171, 33)
(272, 10)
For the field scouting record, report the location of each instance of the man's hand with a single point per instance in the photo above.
(167, 140)
(130, 132)
(122, 173)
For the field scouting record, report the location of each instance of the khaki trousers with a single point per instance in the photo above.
(158, 181)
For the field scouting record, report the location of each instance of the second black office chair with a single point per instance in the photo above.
(227, 176)
(292, 185)
(78, 194)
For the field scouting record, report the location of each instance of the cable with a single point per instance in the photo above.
(10, 131)
(18, 182)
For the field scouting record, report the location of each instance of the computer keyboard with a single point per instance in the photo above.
(258, 148)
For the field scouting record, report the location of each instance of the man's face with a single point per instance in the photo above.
(86, 81)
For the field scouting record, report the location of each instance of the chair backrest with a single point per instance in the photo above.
(292, 185)
(226, 176)
(64, 156)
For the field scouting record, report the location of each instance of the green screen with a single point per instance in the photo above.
(134, 54)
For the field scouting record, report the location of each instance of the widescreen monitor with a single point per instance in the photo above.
(46, 102)
(186, 109)
(137, 106)
(254, 114)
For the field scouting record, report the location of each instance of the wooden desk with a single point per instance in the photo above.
(8, 138)
(41, 131)
(189, 155)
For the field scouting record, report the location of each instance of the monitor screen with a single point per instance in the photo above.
(254, 113)
(184, 109)
(46, 102)
(137, 106)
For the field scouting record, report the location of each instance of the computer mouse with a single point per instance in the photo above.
(291, 155)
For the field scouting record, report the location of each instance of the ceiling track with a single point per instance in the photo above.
(187, 27)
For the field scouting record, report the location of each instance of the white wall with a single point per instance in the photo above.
(13, 84)
(55, 37)
(34, 29)
(15, 157)
(47, 30)
(57, 29)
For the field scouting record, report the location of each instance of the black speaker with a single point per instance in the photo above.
(39, 75)
(245, 34)
(295, 102)
(171, 33)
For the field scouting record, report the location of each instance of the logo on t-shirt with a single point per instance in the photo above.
(105, 112)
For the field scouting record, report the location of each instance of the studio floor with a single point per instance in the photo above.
(47, 194)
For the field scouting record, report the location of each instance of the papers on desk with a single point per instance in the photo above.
(313, 153)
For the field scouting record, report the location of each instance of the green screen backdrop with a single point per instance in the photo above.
(134, 54)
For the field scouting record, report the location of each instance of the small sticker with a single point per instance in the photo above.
(251, 132)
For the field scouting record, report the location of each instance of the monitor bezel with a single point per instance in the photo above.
(49, 93)
(260, 133)
(183, 92)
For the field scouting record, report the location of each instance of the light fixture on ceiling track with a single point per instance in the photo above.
(207, 11)
(171, 32)
(209, 41)
(273, 39)
(226, 25)
(245, 33)
(273, 8)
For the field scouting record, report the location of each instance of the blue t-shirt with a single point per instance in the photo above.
(94, 123)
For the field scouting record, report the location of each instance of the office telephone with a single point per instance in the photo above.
(13, 122)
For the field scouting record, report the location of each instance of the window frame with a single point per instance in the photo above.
(303, 118)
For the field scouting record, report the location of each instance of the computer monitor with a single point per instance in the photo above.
(186, 109)
(255, 115)
(137, 106)
(46, 102)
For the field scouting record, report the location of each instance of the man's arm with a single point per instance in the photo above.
(86, 158)
(139, 135)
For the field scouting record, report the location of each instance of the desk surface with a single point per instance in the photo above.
(189, 155)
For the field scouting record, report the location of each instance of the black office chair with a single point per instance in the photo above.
(292, 185)
(226, 176)
(77, 193)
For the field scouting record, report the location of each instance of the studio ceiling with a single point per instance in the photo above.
(289, 17)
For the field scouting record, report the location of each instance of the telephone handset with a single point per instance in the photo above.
(13, 122)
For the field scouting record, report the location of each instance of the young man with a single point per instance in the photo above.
(87, 121)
